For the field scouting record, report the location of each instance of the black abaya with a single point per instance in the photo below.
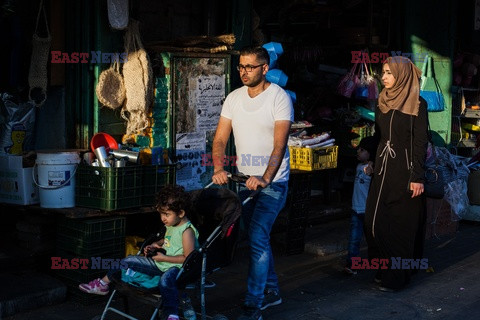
(394, 220)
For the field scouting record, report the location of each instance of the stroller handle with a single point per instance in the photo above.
(240, 178)
(235, 177)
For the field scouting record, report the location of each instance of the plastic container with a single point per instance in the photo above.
(103, 139)
(274, 46)
(102, 237)
(277, 76)
(310, 159)
(56, 178)
(154, 178)
(109, 188)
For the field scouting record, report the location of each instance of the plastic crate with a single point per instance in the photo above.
(84, 248)
(310, 159)
(108, 188)
(154, 178)
(91, 230)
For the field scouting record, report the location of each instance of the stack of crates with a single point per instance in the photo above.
(297, 208)
(97, 239)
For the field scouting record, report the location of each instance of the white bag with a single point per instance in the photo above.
(118, 13)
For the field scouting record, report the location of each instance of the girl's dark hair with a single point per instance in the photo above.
(260, 52)
(175, 198)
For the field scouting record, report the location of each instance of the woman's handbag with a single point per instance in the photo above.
(430, 89)
(367, 87)
(349, 82)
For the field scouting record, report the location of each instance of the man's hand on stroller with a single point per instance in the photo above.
(220, 177)
(254, 182)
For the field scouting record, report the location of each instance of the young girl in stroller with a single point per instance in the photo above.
(165, 257)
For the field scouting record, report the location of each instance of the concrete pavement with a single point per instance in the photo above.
(314, 287)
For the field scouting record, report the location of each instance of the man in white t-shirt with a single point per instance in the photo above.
(259, 114)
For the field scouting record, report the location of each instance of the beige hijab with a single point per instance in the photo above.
(404, 95)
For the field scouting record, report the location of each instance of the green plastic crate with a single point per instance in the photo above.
(154, 178)
(93, 229)
(87, 249)
(108, 188)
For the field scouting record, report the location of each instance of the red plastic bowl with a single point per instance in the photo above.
(103, 139)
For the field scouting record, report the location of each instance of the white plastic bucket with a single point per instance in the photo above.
(56, 178)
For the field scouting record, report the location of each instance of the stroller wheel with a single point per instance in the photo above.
(219, 317)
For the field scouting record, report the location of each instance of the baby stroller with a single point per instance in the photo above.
(216, 211)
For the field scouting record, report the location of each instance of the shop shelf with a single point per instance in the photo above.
(310, 159)
(109, 188)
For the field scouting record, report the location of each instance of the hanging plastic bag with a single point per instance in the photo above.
(118, 14)
(17, 129)
(456, 196)
(430, 89)
(349, 82)
(373, 86)
(367, 86)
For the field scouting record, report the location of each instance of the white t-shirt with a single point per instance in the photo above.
(253, 122)
(360, 189)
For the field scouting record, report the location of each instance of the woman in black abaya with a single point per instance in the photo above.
(395, 211)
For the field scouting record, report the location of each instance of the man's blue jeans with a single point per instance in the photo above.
(356, 234)
(167, 286)
(258, 216)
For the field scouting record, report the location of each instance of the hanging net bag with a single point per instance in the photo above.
(110, 87)
(37, 75)
(138, 79)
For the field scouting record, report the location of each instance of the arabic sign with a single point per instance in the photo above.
(207, 94)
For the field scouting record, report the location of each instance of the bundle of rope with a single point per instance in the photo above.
(138, 80)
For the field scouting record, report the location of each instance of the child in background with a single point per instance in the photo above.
(365, 154)
(166, 256)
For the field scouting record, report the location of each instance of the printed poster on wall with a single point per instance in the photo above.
(190, 148)
(207, 94)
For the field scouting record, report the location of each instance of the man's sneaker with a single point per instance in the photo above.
(271, 298)
(250, 313)
(348, 270)
(94, 287)
(172, 317)
(208, 284)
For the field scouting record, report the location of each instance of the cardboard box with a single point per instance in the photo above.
(16, 182)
